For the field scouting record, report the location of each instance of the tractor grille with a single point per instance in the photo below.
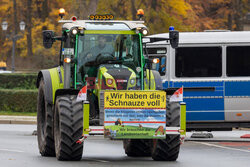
(121, 77)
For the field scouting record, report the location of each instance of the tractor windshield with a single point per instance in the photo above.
(97, 49)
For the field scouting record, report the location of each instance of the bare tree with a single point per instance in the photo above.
(15, 17)
(29, 27)
(133, 9)
(45, 11)
(238, 17)
(83, 8)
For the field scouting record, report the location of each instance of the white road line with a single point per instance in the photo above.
(98, 160)
(229, 148)
(19, 151)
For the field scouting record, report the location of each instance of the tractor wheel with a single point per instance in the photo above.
(168, 149)
(68, 128)
(44, 124)
(137, 147)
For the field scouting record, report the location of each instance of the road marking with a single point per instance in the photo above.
(19, 151)
(229, 148)
(98, 160)
(239, 144)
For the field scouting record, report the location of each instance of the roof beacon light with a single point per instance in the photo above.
(140, 13)
(73, 18)
(171, 28)
(61, 12)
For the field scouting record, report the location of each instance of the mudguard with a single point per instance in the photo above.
(53, 80)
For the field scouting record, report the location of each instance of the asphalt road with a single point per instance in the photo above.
(18, 148)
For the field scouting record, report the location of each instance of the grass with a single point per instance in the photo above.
(17, 113)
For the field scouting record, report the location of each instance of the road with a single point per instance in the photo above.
(18, 148)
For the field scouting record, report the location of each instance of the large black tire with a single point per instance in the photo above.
(68, 128)
(137, 147)
(142, 147)
(168, 149)
(44, 124)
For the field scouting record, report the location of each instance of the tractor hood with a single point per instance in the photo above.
(117, 77)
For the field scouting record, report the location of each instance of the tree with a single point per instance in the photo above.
(29, 27)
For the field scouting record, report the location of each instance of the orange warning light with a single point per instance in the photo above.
(61, 12)
(140, 12)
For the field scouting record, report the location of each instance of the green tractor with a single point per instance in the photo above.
(103, 56)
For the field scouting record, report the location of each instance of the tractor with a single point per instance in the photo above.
(108, 58)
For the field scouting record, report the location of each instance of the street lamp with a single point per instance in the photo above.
(22, 25)
(14, 37)
(5, 25)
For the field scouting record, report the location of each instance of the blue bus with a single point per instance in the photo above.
(214, 69)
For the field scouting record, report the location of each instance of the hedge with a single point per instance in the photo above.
(18, 81)
(18, 100)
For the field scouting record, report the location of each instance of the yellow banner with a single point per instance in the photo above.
(135, 99)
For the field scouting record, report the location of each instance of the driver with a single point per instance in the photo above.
(101, 48)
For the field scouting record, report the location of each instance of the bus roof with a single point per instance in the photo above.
(210, 37)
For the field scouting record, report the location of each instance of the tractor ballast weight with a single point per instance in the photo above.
(105, 58)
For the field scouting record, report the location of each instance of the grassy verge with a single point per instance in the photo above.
(18, 81)
(17, 113)
(18, 100)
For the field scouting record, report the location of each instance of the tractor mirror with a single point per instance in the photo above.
(174, 38)
(48, 38)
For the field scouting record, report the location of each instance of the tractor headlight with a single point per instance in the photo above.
(144, 32)
(67, 60)
(109, 81)
(74, 31)
(132, 81)
(156, 61)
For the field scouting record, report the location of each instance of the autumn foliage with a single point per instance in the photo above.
(184, 15)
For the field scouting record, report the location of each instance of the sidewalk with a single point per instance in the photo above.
(5, 119)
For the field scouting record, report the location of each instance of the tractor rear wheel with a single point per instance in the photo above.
(44, 124)
(68, 127)
(168, 149)
(137, 147)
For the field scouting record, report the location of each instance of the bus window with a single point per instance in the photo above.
(238, 61)
(198, 62)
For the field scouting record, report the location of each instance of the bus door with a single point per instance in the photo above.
(237, 84)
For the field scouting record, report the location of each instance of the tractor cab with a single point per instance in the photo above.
(106, 51)
(110, 53)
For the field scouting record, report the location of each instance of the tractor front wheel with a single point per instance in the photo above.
(168, 149)
(68, 128)
(44, 123)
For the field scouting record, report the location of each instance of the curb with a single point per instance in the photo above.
(4, 119)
